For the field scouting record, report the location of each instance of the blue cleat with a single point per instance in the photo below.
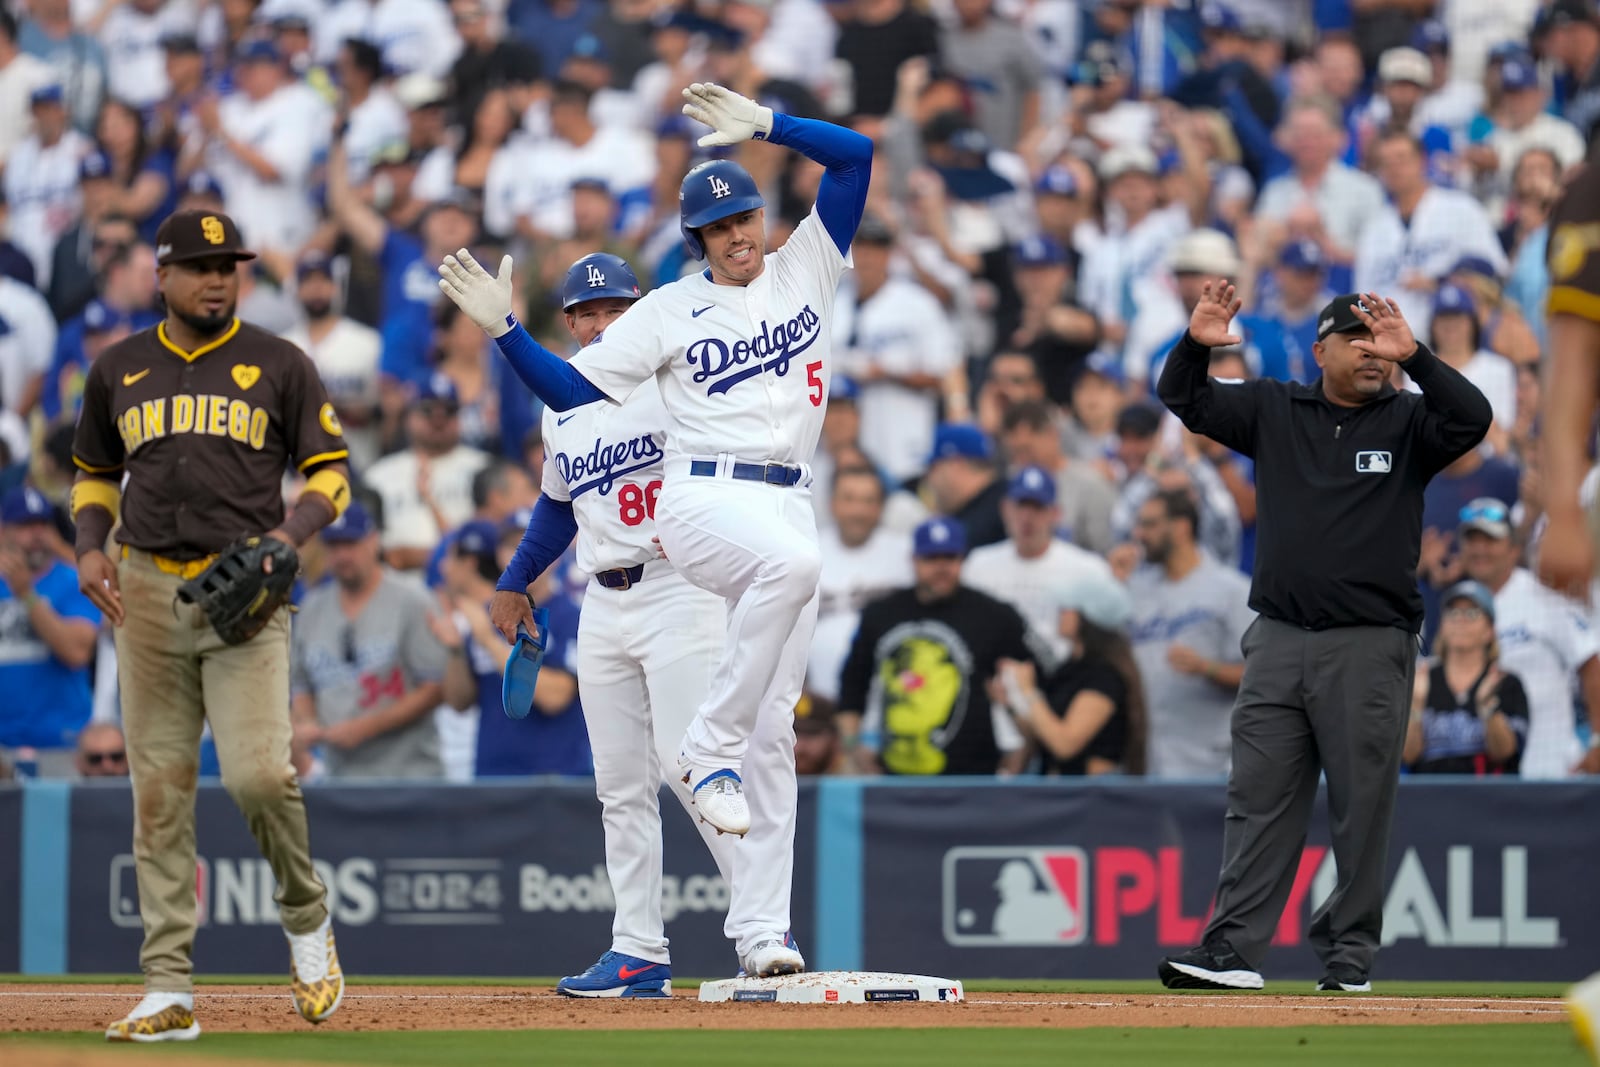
(616, 975)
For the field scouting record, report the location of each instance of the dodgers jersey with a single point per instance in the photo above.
(606, 460)
(743, 370)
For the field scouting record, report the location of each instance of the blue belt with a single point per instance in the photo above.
(770, 473)
(621, 578)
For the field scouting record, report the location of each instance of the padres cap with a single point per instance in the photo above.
(1337, 316)
(198, 234)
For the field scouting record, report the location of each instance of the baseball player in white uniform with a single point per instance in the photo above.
(648, 641)
(741, 354)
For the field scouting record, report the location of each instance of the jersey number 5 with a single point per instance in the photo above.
(814, 383)
(634, 503)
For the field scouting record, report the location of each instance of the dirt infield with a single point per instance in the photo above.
(266, 1009)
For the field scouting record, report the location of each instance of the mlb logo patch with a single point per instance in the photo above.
(1374, 462)
(1016, 896)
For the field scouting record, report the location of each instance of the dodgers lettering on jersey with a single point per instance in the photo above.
(742, 370)
(606, 460)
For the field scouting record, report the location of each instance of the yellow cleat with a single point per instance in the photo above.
(1583, 1005)
(158, 1017)
(315, 977)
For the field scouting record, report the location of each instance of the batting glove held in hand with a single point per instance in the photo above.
(483, 297)
(735, 118)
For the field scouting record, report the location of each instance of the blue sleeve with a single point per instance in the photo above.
(64, 597)
(549, 532)
(551, 378)
(847, 155)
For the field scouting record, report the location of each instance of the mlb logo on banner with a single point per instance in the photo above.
(1016, 896)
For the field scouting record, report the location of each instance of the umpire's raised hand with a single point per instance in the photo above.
(1392, 338)
(1208, 326)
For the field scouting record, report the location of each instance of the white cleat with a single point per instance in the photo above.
(773, 957)
(718, 796)
(158, 1017)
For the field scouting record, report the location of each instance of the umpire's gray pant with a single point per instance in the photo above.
(1335, 701)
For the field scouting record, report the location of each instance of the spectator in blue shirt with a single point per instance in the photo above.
(1288, 313)
(553, 739)
(47, 634)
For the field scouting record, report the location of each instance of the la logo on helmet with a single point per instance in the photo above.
(719, 188)
(595, 276)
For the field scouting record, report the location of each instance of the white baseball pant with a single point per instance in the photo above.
(645, 659)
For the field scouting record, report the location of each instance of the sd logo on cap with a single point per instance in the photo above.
(198, 234)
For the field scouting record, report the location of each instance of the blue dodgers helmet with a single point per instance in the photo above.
(596, 276)
(714, 190)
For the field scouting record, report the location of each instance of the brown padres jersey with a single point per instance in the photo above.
(204, 436)
(1573, 256)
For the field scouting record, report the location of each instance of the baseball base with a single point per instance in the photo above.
(835, 987)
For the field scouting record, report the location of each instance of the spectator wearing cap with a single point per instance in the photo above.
(553, 738)
(373, 118)
(1503, 326)
(994, 56)
(1522, 122)
(126, 304)
(1139, 237)
(1089, 713)
(862, 559)
(1320, 198)
(1420, 233)
(488, 60)
(1053, 328)
(1190, 614)
(1031, 435)
(260, 143)
(816, 737)
(426, 101)
(1456, 336)
(1090, 431)
(1456, 93)
(20, 74)
(27, 340)
(893, 339)
(1567, 32)
(49, 33)
(41, 180)
(589, 65)
(1145, 468)
(464, 358)
(1064, 197)
(47, 634)
(1468, 714)
(1021, 569)
(1479, 474)
(1545, 639)
(426, 487)
(346, 354)
(962, 482)
(144, 172)
(1234, 76)
(366, 670)
(875, 38)
(914, 692)
(75, 267)
(1299, 290)
(131, 33)
(187, 85)
(1402, 105)
(1199, 258)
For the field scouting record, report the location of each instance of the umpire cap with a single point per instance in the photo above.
(198, 234)
(714, 190)
(597, 276)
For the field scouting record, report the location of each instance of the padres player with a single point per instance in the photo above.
(186, 430)
(648, 641)
(740, 353)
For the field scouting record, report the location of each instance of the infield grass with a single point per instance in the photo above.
(1488, 1045)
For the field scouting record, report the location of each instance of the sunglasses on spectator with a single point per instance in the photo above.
(95, 759)
(1464, 614)
(1485, 513)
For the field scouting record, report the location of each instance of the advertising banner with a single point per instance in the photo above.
(1486, 882)
(489, 880)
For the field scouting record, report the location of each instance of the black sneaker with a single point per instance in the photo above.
(1213, 966)
(1344, 980)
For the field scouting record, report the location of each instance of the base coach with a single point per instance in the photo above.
(1341, 465)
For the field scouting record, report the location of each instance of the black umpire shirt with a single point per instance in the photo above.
(1338, 489)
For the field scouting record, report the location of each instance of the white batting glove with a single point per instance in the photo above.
(735, 118)
(483, 297)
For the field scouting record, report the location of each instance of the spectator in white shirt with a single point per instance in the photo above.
(1457, 338)
(1521, 122)
(893, 338)
(345, 353)
(1544, 639)
(374, 119)
(861, 561)
(1032, 563)
(41, 180)
(427, 488)
(27, 343)
(131, 34)
(20, 75)
(261, 141)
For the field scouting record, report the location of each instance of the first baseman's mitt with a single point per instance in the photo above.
(238, 593)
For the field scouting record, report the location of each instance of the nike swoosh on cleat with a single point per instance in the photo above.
(702, 311)
(629, 974)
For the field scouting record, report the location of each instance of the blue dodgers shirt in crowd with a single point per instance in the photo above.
(541, 743)
(410, 287)
(47, 702)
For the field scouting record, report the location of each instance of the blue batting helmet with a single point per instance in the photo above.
(714, 190)
(596, 276)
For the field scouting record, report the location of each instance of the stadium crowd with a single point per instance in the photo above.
(1029, 565)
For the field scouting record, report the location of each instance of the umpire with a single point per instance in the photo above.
(1340, 469)
(187, 429)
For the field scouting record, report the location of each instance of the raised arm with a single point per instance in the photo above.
(1224, 413)
(486, 299)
